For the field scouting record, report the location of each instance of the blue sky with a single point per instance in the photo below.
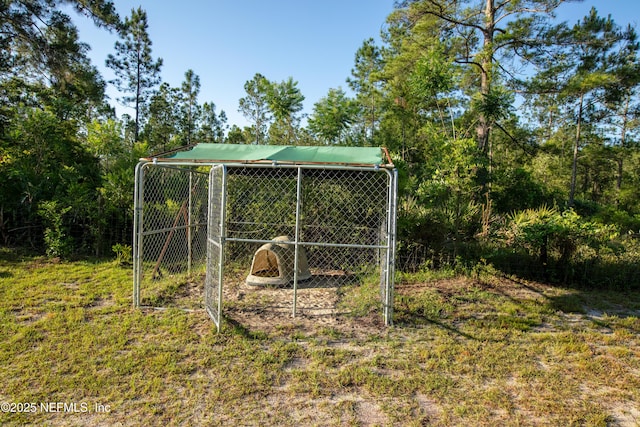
(226, 42)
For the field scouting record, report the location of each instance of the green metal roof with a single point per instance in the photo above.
(237, 153)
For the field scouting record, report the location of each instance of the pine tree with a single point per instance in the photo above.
(254, 106)
(285, 102)
(189, 108)
(137, 74)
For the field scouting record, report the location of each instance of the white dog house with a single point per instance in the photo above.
(273, 264)
(289, 214)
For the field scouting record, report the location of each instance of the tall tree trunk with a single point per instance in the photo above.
(483, 129)
(136, 130)
(623, 143)
(486, 62)
(576, 145)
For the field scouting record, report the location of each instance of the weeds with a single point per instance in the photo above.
(124, 256)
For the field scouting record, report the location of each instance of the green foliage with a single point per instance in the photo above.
(124, 254)
(437, 211)
(546, 231)
(189, 110)
(285, 102)
(161, 128)
(332, 116)
(516, 189)
(137, 73)
(255, 107)
(495, 104)
(104, 140)
(367, 85)
(38, 36)
(564, 247)
(47, 163)
(56, 237)
(432, 75)
(213, 125)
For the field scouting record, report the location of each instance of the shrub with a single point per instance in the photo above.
(123, 254)
(568, 249)
(56, 239)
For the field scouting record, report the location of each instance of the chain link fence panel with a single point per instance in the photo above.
(170, 236)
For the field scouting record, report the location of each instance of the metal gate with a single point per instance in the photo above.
(215, 243)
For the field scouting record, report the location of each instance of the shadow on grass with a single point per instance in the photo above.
(453, 330)
(185, 292)
(604, 308)
(316, 281)
(607, 273)
(410, 319)
(12, 255)
(583, 300)
(570, 302)
(238, 328)
(486, 308)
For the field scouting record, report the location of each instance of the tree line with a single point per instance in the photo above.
(516, 136)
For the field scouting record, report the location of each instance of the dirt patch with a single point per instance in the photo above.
(317, 307)
(270, 309)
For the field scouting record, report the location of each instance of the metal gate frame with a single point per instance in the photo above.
(215, 243)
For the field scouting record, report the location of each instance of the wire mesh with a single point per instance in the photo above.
(215, 254)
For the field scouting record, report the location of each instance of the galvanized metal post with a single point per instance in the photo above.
(137, 231)
(296, 240)
(189, 224)
(391, 242)
(208, 281)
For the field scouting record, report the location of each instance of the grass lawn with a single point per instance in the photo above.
(486, 350)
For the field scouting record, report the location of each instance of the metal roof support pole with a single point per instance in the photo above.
(296, 239)
(189, 224)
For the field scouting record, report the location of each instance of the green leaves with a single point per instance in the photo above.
(56, 239)
(545, 230)
(495, 105)
(332, 117)
(285, 102)
(255, 107)
(274, 106)
(433, 74)
(136, 71)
